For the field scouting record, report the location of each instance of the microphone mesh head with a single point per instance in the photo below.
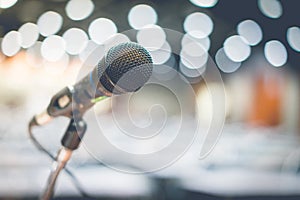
(127, 66)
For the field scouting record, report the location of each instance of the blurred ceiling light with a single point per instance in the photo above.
(192, 73)
(251, 31)
(275, 53)
(92, 53)
(141, 15)
(49, 23)
(187, 38)
(75, 39)
(53, 48)
(102, 29)
(224, 63)
(79, 9)
(34, 56)
(236, 48)
(29, 34)
(57, 67)
(198, 25)
(7, 3)
(193, 55)
(270, 8)
(293, 38)
(11, 43)
(152, 37)
(204, 3)
(116, 39)
(161, 55)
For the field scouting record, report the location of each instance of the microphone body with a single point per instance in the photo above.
(125, 68)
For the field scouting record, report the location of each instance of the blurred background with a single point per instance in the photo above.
(254, 45)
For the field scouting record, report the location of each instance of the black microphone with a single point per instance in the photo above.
(125, 68)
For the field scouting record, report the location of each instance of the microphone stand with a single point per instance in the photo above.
(70, 142)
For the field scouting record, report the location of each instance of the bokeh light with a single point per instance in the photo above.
(193, 55)
(53, 48)
(293, 38)
(49, 23)
(75, 39)
(187, 38)
(204, 3)
(251, 31)
(162, 55)
(92, 53)
(7, 3)
(101, 29)
(11, 43)
(198, 25)
(152, 37)
(189, 72)
(141, 15)
(270, 8)
(224, 63)
(79, 9)
(29, 34)
(236, 48)
(275, 53)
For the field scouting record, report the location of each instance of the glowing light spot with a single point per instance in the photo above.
(29, 34)
(224, 63)
(204, 3)
(198, 25)
(79, 9)
(270, 8)
(102, 29)
(151, 37)
(141, 15)
(7, 3)
(189, 72)
(34, 56)
(236, 48)
(75, 39)
(205, 42)
(275, 53)
(193, 55)
(251, 31)
(53, 48)
(293, 38)
(11, 43)
(116, 39)
(49, 23)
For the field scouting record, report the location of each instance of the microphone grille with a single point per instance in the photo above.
(128, 66)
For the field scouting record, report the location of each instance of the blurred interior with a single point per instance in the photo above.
(254, 45)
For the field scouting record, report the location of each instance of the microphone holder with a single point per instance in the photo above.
(70, 141)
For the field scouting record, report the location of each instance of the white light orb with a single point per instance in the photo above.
(270, 8)
(7, 3)
(275, 53)
(49, 23)
(224, 63)
(29, 34)
(102, 29)
(142, 15)
(11, 43)
(75, 39)
(160, 56)
(198, 25)
(151, 37)
(79, 9)
(204, 3)
(236, 48)
(187, 38)
(53, 48)
(251, 31)
(293, 38)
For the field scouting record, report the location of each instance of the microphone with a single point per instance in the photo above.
(125, 68)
